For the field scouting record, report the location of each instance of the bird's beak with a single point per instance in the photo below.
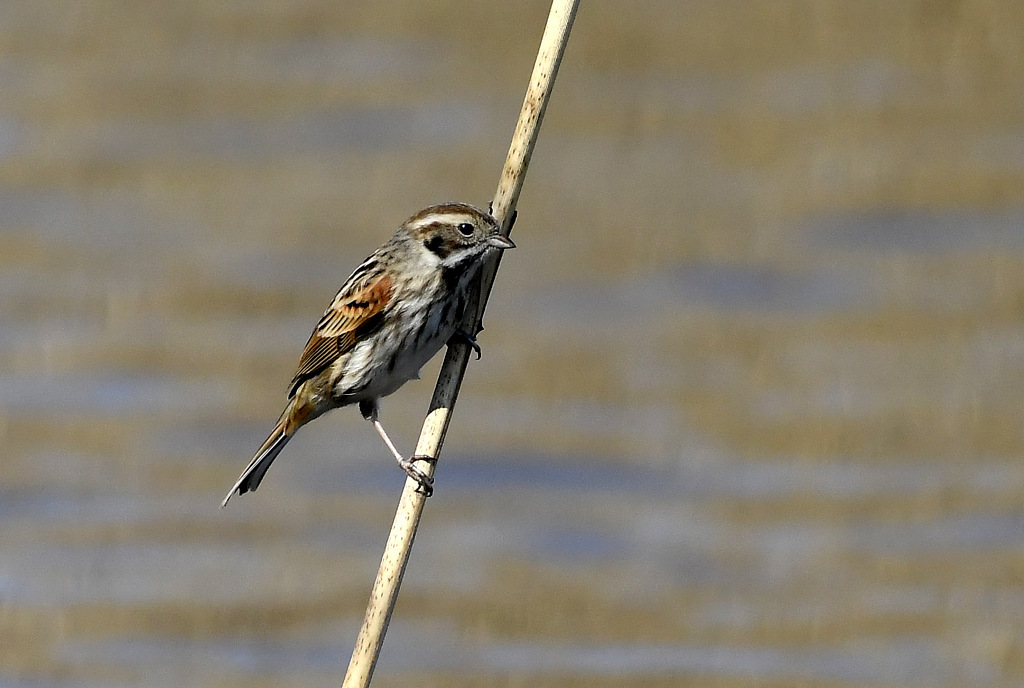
(499, 241)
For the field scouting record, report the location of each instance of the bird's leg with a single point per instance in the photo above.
(470, 340)
(369, 411)
(408, 465)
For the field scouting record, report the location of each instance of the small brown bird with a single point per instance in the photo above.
(389, 318)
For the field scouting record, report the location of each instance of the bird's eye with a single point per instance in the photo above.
(465, 229)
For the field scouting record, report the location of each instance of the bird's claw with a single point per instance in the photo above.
(426, 482)
(469, 340)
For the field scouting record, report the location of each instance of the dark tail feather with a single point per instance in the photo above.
(253, 473)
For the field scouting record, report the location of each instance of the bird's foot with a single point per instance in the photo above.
(470, 340)
(425, 481)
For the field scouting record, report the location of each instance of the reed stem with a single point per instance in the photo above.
(410, 507)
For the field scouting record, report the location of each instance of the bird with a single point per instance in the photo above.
(396, 310)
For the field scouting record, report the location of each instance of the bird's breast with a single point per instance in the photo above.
(414, 330)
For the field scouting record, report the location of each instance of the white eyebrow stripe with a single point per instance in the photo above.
(443, 218)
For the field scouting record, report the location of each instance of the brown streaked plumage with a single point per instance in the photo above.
(390, 317)
(355, 313)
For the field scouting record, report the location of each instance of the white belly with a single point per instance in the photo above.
(372, 370)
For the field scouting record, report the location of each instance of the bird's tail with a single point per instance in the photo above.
(253, 473)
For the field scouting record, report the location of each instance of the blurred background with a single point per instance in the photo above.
(749, 406)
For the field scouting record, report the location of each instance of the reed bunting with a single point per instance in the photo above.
(389, 318)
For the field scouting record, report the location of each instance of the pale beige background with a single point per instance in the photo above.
(749, 411)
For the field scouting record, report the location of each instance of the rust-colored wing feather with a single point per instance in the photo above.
(356, 312)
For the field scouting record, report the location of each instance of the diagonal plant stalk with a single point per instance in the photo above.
(410, 507)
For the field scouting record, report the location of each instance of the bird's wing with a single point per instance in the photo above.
(356, 311)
